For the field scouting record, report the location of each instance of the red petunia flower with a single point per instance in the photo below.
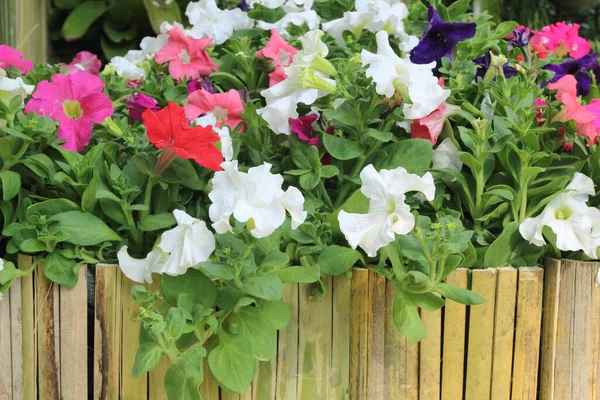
(169, 129)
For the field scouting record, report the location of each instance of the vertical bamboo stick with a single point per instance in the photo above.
(504, 326)
(528, 332)
(340, 346)
(5, 349)
(209, 388)
(287, 353)
(29, 350)
(455, 323)
(430, 356)
(263, 387)
(16, 333)
(481, 336)
(549, 329)
(314, 344)
(376, 336)
(48, 340)
(359, 335)
(32, 28)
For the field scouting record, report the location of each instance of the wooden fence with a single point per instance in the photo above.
(342, 347)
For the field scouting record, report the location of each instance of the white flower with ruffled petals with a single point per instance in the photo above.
(445, 156)
(415, 82)
(209, 21)
(575, 224)
(11, 88)
(255, 197)
(388, 214)
(140, 270)
(127, 66)
(308, 17)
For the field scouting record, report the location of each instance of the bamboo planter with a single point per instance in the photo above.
(342, 347)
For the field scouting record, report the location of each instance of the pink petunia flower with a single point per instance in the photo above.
(561, 39)
(430, 127)
(587, 118)
(281, 53)
(186, 56)
(10, 57)
(84, 61)
(226, 107)
(76, 101)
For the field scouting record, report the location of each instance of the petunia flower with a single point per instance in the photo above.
(539, 104)
(127, 66)
(485, 62)
(138, 103)
(186, 56)
(84, 61)
(280, 52)
(10, 57)
(302, 127)
(430, 127)
(446, 156)
(308, 17)
(519, 38)
(388, 214)
(254, 197)
(209, 21)
(416, 82)
(203, 83)
(226, 107)
(561, 39)
(223, 132)
(10, 88)
(575, 224)
(580, 69)
(169, 129)
(140, 270)
(440, 38)
(77, 101)
(243, 5)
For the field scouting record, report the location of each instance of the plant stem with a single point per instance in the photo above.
(325, 195)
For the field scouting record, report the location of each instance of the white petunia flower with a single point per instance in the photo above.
(255, 197)
(576, 225)
(415, 82)
(446, 156)
(308, 17)
(289, 6)
(388, 213)
(209, 21)
(223, 132)
(140, 270)
(127, 66)
(373, 16)
(11, 88)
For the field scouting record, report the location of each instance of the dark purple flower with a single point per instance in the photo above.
(138, 103)
(243, 5)
(519, 38)
(483, 64)
(302, 127)
(580, 69)
(200, 84)
(439, 39)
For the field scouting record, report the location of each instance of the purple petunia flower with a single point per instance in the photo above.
(200, 84)
(578, 68)
(439, 39)
(519, 38)
(243, 5)
(138, 103)
(483, 64)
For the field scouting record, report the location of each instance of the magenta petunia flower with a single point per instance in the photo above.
(302, 126)
(76, 101)
(140, 102)
(10, 57)
(186, 56)
(84, 61)
(200, 84)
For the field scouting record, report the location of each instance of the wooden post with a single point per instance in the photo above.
(571, 331)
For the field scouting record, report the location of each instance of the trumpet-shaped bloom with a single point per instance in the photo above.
(388, 213)
(226, 107)
(416, 82)
(140, 270)
(575, 224)
(281, 53)
(10, 88)
(169, 129)
(186, 56)
(430, 127)
(209, 21)
(308, 17)
(580, 69)
(254, 197)
(127, 66)
(446, 156)
(76, 101)
(84, 61)
(10, 57)
(138, 103)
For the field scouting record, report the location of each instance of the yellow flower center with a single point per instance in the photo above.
(72, 109)
(220, 114)
(562, 213)
(184, 56)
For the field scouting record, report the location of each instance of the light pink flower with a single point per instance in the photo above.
(76, 101)
(561, 39)
(226, 107)
(281, 53)
(84, 61)
(10, 57)
(186, 56)
(430, 127)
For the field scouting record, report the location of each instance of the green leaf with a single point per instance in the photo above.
(194, 283)
(458, 294)
(66, 4)
(310, 180)
(276, 313)
(412, 154)
(300, 274)
(329, 171)
(249, 323)
(407, 320)
(427, 301)
(379, 135)
(336, 260)
(84, 229)
(81, 18)
(275, 259)
(147, 357)
(157, 222)
(268, 287)
(231, 363)
(342, 149)
(499, 252)
(50, 208)
(218, 269)
(343, 117)
(61, 270)
(11, 184)
(175, 323)
(178, 387)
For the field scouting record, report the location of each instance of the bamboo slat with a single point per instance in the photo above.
(401, 359)
(48, 343)
(209, 388)
(430, 356)
(287, 353)
(455, 322)
(359, 334)
(550, 321)
(595, 340)
(314, 344)
(340, 346)
(376, 337)
(264, 385)
(504, 327)
(32, 29)
(29, 336)
(481, 336)
(16, 333)
(73, 339)
(5, 349)
(107, 334)
(565, 331)
(528, 334)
